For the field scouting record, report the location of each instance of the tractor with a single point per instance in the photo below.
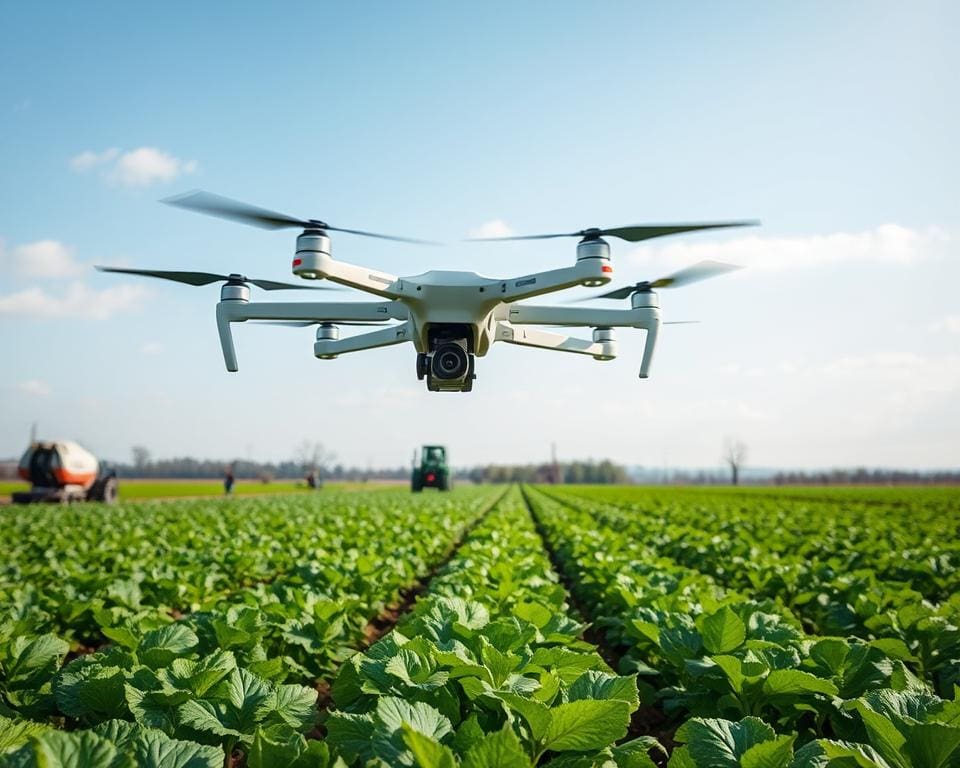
(432, 470)
(61, 471)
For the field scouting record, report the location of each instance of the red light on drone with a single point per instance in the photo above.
(297, 262)
(606, 268)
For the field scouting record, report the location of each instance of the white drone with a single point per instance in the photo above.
(451, 317)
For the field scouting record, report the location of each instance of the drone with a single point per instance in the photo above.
(450, 317)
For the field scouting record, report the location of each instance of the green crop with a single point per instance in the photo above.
(788, 628)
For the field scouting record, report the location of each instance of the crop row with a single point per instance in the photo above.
(70, 570)
(739, 678)
(915, 543)
(489, 670)
(829, 597)
(232, 661)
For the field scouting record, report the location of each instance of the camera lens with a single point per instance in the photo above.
(450, 362)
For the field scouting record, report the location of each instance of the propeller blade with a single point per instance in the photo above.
(619, 293)
(190, 278)
(521, 237)
(699, 271)
(633, 234)
(648, 231)
(273, 285)
(383, 237)
(206, 278)
(680, 322)
(234, 210)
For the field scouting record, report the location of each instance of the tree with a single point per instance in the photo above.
(141, 457)
(313, 457)
(734, 455)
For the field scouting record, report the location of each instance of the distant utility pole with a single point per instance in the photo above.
(33, 433)
(555, 467)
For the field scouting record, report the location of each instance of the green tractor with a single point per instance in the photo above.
(432, 470)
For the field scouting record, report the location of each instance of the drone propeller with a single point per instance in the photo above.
(206, 278)
(225, 208)
(699, 271)
(632, 234)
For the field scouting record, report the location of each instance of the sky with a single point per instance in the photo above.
(833, 123)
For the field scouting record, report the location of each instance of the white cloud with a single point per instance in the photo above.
(139, 167)
(948, 324)
(88, 159)
(494, 228)
(886, 243)
(44, 258)
(77, 301)
(151, 349)
(35, 387)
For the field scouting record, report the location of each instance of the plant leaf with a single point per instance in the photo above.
(585, 724)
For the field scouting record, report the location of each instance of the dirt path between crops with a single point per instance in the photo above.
(387, 619)
(647, 720)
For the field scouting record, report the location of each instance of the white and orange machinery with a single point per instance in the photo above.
(62, 471)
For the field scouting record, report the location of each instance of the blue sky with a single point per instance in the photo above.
(833, 123)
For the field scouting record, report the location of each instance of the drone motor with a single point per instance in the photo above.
(595, 248)
(607, 338)
(312, 247)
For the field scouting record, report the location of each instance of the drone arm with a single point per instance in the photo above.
(647, 318)
(327, 349)
(535, 337)
(362, 278)
(640, 317)
(321, 311)
(593, 271)
(240, 311)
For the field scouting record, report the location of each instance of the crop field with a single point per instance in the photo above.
(167, 489)
(563, 626)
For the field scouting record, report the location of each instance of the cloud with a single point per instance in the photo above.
(494, 228)
(948, 324)
(88, 160)
(139, 167)
(44, 258)
(151, 349)
(35, 387)
(890, 243)
(78, 301)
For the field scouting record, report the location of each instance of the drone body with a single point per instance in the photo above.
(451, 318)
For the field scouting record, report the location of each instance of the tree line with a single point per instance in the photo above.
(314, 458)
(863, 476)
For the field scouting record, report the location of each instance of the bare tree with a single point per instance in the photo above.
(313, 457)
(734, 455)
(141, 456)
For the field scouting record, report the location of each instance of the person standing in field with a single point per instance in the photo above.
(228, 480)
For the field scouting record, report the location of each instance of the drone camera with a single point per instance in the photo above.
(449, 365)
(451, 360)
